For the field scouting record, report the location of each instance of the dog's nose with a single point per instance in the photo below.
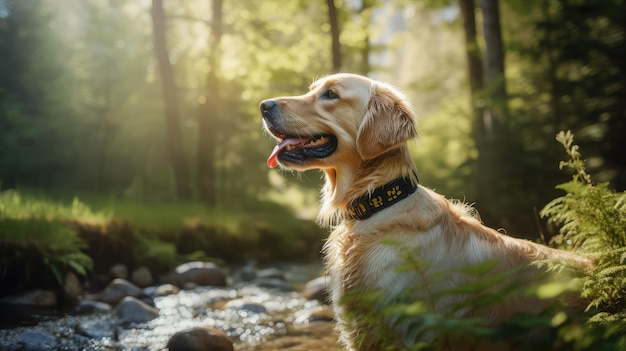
(266, 106)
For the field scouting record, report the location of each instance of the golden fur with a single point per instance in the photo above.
(373, 122)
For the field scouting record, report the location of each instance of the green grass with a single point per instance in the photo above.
(167, 216)
(18, 206)
(40, 234)
(148, 215)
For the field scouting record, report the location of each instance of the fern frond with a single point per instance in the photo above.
(592, 222)
(610, 271)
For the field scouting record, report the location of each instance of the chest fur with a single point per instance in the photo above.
(369, 261)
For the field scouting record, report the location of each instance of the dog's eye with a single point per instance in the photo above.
(330, 94)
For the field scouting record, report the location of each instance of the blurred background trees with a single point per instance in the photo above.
(157, 100)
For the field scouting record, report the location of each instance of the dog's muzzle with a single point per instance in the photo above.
(293, 147)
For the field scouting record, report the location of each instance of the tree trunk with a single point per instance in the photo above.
(496, 110)
(549, 51)
(494, 170)
(172, 120)
(366, 18)
(474, 62)
(334, 32)
(207, 145)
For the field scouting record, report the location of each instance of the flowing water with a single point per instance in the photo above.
(272, 320)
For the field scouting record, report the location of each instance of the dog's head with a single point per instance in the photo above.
(344, 119)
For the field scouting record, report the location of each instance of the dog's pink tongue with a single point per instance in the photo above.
(271, 161)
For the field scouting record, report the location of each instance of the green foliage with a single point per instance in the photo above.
(153, 252)
(592, 220)
(445, 149)
(429, 329)
(33, 236)
(58, 245)
(564, 63)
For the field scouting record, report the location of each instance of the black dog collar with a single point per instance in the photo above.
(382, 197)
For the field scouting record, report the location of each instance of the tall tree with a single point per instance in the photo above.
(474, 61)
(489, 100)
(207, 114)
(584, 43)
(496, 110)
(334, 32)
(365, 11)
(37, 118)
(170, 100)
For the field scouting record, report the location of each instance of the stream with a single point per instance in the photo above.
(252, 316)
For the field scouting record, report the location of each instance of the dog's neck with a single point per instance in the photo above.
(383, 197)
(346, 184)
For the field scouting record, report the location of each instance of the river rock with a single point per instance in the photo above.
(96, 329)
(272, 283)
(33, 341)
(243, 305)
(133, 310)
(200, 339)
(270, 273)
(197, 273)
(119, 271)
(317, 289)
(246, 273)
(88, 305)
(161, 290)
(43, 298)
(71, 287)
(317, 314)
(117, 290)
(142, 276)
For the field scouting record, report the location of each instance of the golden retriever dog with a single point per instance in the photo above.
(355, 130)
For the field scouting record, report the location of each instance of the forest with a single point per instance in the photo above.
(140, 118)
(158, 101)
(130, 133)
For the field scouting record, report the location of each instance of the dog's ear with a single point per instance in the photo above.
(388, 122)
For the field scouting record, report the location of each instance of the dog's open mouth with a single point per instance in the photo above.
(298, 150)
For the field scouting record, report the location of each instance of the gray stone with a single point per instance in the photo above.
(270, 273)
(96, 329)
(247, 273)
(88, 305)
(117, 290)
(142, 276)
(133, 310)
